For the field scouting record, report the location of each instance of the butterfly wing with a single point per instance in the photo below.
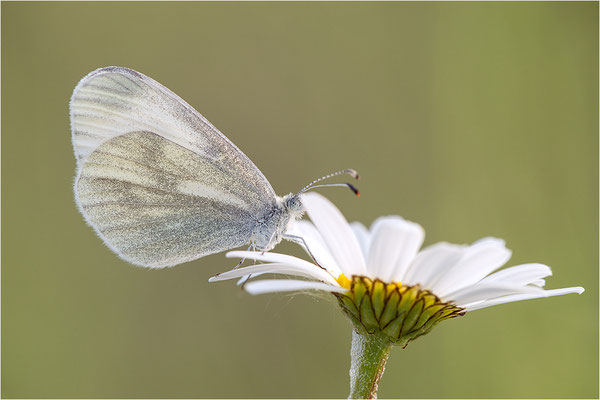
(156, 180)
(157, 204)
(112, 101)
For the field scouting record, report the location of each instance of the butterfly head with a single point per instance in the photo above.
(292, 205)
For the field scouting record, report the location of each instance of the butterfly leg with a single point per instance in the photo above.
(300, 240)
(243, 259)
(240, 263)
(242, 281)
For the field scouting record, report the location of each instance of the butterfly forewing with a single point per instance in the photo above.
(113, 101)
(157, 203)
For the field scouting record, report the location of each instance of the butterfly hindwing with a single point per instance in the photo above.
(157, 203)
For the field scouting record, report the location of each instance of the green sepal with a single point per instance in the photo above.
(429, 299)
(393, 328)
(408, 298)
(390, 310)
(349, 305)
(378, 298)
(358, 289)
(400, 313)
(367, 316)
(412, 317)
(427, 313)
(351, 312)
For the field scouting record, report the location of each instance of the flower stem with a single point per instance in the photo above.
(368, 354)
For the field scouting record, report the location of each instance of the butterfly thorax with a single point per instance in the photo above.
(271, 227)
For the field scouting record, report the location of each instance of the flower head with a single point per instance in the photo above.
(384, 282)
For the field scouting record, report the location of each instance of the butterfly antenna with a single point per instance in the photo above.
(348, 185)
(348, 171)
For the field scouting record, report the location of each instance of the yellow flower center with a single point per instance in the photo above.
(343, 281)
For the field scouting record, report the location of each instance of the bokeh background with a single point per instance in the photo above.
(473, 119)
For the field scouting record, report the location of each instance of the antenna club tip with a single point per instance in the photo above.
(354, 189)
(353, 173)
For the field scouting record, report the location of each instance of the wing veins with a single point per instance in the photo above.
(106, 113)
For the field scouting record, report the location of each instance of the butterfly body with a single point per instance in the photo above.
(270, 229)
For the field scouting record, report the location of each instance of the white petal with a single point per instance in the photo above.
(363, 236)
(479, 259)
(316, 244)
(311, 271)
(487, 291)
(268, 257)
(523, 274)
(286, 285)
(539, 283)
(336, 233)
(394, 244)
(524, 296)
(274, 258)
(431, 263)
(490, 240)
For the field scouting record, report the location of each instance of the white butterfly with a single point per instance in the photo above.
(161, 185)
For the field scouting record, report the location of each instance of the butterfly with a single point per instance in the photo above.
(160, 184)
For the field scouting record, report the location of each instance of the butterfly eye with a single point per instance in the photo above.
(294, 204)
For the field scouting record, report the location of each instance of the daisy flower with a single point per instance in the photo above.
(385, 262)
(391, 290)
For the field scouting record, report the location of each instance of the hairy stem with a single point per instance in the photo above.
(369, 354)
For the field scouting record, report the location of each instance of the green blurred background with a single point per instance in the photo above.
(472, 119)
